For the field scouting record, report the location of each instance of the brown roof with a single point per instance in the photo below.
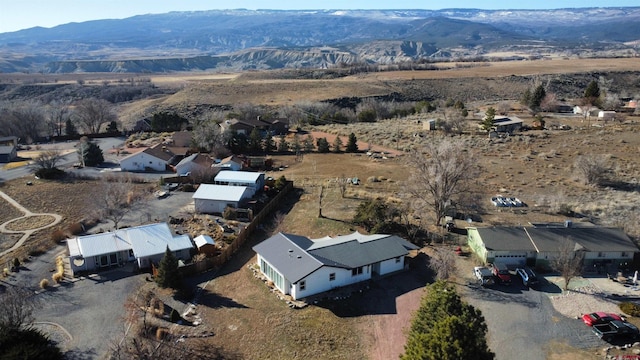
(159, 151)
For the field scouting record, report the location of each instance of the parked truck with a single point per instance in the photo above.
(616, 329)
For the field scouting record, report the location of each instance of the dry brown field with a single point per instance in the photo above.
(535, 166)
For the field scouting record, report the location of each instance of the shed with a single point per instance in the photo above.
(205, 244)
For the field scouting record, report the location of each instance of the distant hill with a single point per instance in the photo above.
(267, 39)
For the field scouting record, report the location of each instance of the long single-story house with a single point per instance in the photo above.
(301, 267)
(154, 158)
(213, 199)
(254, 181)
(145, 244)
(604, 248)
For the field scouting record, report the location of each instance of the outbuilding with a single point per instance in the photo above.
(213, 199)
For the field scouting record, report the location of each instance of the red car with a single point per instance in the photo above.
(600, 318)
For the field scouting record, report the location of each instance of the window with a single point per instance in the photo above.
(303, 285)
(332, 276)
(624, 254)
(356, 271)
(601, 254)
(398, 259)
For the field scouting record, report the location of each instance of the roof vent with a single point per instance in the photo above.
(568, 223)
(290, 250)
(299, 257)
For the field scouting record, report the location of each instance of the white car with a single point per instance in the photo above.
(484, 275)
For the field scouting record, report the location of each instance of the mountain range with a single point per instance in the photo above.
(231, 40)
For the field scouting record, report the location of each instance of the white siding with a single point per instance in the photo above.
(390, 266)
(318, 281)
(212, 206)
(141, 161)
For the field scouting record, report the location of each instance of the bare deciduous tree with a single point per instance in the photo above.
(91, 114)
(57, 114)
(443, 263)
(441, 172)
(116, 197)
(568, 260)
(207, 134)
(342, 184)
(592, 169)
(17, 308)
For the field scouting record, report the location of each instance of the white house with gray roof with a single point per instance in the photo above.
(301, 267)
(143, 244)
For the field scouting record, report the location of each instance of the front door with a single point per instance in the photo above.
(375, 269)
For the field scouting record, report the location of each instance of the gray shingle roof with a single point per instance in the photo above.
(506, 239)
(592, 239)
(292, 262)
(297, 256)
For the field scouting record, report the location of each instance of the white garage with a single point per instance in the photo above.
(213, 199)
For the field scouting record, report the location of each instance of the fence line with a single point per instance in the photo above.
(242, 237)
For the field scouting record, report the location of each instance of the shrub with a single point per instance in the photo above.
(230, 213)
(629, 308)
(57, 236)
(57, 277)
(6, 272)
(53, 173)
(44, 283)
(76, 228)
(16, 263)
(161, 333)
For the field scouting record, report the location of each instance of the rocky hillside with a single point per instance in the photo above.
(268, 39)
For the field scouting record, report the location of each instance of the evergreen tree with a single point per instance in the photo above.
(165, 121)
(445, 327)
(283, 145)
(592, 94)
(168, 275)
(112, 127)
(296, 146)
(323, 145)
(337, 145)
(536, 99)
(308, 144)
(489, 118)
(69, 128)
(255, 141)
(352, 144)
(268, 144)
(89, 153)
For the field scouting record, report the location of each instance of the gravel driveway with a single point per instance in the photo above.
(85, 315)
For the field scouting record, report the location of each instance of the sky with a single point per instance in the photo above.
(23, 14)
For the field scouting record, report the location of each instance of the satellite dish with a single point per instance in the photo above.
(78, 261)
